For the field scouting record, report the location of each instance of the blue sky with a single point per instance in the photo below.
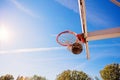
(33, 26)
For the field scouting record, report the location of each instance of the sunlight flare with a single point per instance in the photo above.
(4, 33)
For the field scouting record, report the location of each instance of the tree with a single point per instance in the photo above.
(7, 77)
(27, 78)
(72, 75)
(2, 78)
(111, 72)
(20, 78)
(36, 77)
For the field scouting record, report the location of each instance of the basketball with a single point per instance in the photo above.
(77, 48)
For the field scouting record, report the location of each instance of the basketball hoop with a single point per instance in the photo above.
(66, 38)
(72, 40)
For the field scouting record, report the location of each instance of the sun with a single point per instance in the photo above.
(4, 34)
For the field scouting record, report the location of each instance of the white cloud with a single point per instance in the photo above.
(30, 50)
(50, 49)
(24, 9)
(71, 4)
(105, 45)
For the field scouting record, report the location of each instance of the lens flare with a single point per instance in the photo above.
(4, 34)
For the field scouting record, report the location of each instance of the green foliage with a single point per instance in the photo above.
(72, 75)
(111, 72)
(20, 78)
(36, 77)
(7, 77)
